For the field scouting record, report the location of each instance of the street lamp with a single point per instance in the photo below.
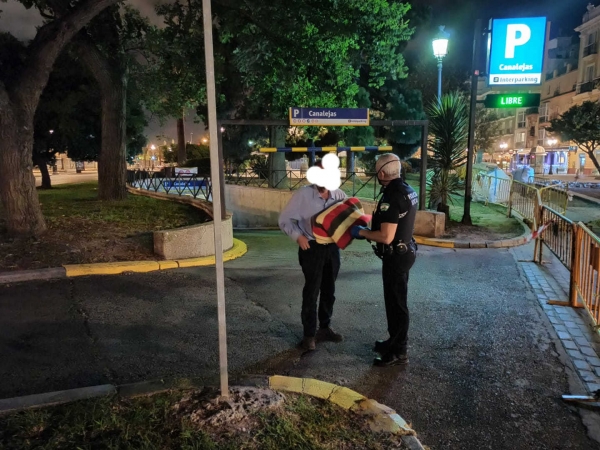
(440, 50)
(503, 145)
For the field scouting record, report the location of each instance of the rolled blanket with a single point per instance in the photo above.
(333, 224)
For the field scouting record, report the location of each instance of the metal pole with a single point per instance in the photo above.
(221, 174)
(423, 177)
(439, 81)
(471, 141)
(214, 170)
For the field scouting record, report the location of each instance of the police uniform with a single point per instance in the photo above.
(398, 205)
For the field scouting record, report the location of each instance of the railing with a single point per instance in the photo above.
(586, 87)
(352, 183)
(197, 186)
(555, 197)
(586, 270)
(491, 189)
(559, 235)
(525, 199)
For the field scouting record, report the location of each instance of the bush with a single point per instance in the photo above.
(406, 167)
(203, 165)
(415, 164)
(259, 164)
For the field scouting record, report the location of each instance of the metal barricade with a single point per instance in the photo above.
(525, 200)
(586, 271)
(196, 186)
(559, 236)
(490, 189)
(556, 197)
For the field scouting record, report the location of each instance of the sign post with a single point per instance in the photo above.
(517, 51)
(216, 192)
(355, 117)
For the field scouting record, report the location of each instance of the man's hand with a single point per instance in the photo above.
(303, 242)
(355, 232)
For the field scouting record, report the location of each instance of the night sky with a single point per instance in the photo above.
(457, 15)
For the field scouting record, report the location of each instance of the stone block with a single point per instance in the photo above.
(195, 241)
(582, 365)
(430, 224)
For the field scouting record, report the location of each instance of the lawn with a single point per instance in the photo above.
(182, 420)
(82, 229)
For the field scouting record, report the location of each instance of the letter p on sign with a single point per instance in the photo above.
(296, 112)
(516, 34)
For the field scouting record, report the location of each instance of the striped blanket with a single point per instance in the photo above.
(333, 224)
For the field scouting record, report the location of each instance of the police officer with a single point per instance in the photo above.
(392, 231)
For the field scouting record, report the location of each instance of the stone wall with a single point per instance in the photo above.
(193, 241)
(254, 207)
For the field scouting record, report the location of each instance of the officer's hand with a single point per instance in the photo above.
(303, 243)
(355, 231)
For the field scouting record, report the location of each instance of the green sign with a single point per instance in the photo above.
(512, 101)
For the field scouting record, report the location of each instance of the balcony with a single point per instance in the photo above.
(544, 119)
(531, 111)
(591, 49)
(588, 86)
(521, 124)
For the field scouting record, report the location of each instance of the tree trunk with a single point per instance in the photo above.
(17, 110)
(594, 161)
(42, 164)
(112, 77)
(17, 184)
(181, 153)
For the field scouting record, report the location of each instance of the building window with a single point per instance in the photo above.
(521, 119)
(543, 113)
(520, 139)
(541, 136)
(589, 74)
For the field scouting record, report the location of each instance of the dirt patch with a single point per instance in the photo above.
(471, 233)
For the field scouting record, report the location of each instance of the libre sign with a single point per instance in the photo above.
(512, 101)
(329, 116)
(517, 51)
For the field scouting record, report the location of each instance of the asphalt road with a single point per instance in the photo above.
(484, 371)
(67, 178)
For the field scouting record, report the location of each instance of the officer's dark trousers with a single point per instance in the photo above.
(395, 292)
(320, 265)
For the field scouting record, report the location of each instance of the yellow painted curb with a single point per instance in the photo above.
(434, 242)
(382, 418)
(115, 268)
(239, 249)
(112, 268)
(164, 265)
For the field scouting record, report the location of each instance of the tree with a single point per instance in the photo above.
(449, 128)
(580, 124)
(273, 55)
(19, 98)
(487, 128)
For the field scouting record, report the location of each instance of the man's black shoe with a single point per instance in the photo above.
(390, 359)
(381, 347)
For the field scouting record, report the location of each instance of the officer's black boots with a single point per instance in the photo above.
(390, 359)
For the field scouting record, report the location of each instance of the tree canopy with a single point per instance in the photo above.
(580, 124)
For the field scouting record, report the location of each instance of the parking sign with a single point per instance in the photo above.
(517, 51)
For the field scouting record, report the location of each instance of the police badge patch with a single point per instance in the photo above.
(384, 207)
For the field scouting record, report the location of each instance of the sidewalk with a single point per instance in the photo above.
(573, 326)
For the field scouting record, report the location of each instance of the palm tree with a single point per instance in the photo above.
(449, 130)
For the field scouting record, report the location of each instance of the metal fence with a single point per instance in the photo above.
(490, 189)
(559, 235)
(585, 273)
(525, 199)
(196, 186)
(353, 183)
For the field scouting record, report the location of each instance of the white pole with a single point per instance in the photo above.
(216, 192)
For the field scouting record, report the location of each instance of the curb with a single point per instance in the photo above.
(504, 243)
(116, 268)
(382, 418)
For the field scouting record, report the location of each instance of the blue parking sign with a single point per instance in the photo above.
(517, 51)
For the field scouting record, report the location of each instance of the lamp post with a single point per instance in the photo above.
(440, 50)
(551, 142)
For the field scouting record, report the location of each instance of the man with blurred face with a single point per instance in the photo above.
(320, 262)
(392, 231)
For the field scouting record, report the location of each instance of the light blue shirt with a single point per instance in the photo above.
(295, 219)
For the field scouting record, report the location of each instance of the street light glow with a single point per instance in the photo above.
(440, 44)
(552, 142)
(503, 145)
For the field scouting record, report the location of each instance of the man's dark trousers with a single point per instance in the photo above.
(395, 292)
(320, 265)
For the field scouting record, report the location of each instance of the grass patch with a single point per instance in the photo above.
(82, 229)
(154, 423)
